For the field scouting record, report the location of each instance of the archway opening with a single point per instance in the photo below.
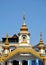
(15, 62)
(24, 62)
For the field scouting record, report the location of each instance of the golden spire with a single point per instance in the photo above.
(6, 42)
(24, 29)
(41, 41)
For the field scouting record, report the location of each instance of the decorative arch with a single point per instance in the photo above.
(21, 50)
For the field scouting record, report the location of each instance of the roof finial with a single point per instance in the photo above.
(40, 34)
(24, 16)
(6, 42)
(6, 35)
(41, 40)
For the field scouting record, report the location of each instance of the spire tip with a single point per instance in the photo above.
(40, 34)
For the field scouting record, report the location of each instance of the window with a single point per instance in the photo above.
(24, 37)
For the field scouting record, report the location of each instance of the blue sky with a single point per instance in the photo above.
(11, 12)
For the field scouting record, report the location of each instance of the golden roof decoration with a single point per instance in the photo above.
(41, 43)
(24, 23)
(24, 29)
(6, 42)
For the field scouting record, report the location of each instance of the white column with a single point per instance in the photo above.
(9, 63)
(37, 61)
(20, 62)
(29, 62)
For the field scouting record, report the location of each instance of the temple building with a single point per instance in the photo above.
(17, 49)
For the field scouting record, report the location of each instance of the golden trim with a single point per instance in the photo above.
(22, 50)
